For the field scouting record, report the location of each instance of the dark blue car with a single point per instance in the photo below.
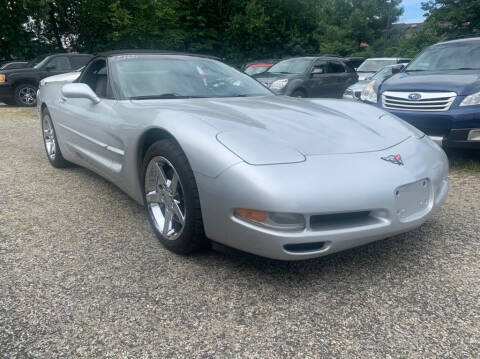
(438, 92)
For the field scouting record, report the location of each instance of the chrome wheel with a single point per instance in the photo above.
(49, 137)
(27, 95)
(165, 198)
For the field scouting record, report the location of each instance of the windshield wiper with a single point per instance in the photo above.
(163, 96)
(407, 70)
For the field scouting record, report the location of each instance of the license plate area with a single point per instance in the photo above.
(414, 200)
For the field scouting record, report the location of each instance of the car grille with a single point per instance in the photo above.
(418, 101)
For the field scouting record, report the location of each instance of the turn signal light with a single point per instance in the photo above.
(2, 78)
(251, 214)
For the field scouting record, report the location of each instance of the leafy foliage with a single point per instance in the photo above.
(236, 30)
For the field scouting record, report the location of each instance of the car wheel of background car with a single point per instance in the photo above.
(299, 93)
(26, 95)
(50, 141)
(171, 198)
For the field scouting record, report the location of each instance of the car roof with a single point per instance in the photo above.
(151, 52)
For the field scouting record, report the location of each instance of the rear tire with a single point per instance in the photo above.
(25, 95)
(52, 149)
(171, 198)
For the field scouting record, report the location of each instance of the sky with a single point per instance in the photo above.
(412, 11)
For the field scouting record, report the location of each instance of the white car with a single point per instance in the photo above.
(67, 77)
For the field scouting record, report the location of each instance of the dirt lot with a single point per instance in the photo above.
(83, 276)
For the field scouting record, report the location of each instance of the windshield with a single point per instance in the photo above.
(448, 56)
(163, 76)
(380, 75)
(292, 66)
(373, 65)
(252, 70)
(37, 62)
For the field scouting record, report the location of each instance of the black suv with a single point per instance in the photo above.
(309, 77)
(19, 86)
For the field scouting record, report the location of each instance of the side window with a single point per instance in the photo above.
(335, 67)
(79, 61)
(59, 63)
(319, 67)
(95, 76)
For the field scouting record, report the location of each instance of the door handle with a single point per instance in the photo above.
(63, 99)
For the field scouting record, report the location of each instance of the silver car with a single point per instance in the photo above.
(211, 153)
(354, 91)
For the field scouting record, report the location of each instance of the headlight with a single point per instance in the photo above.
(368, 93)
(279, 84)
(3, 78)
(473, 99)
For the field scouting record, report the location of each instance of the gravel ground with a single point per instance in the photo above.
(83, 276)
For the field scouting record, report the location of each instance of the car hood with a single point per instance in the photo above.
(280, 129)
(358, 86)
(19, 71)
(463, 82)
(267, 78)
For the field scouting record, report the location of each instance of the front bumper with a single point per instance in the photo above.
(6, 91)
(322, 185)
(451, 127)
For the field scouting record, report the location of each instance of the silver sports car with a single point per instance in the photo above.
(212, 153)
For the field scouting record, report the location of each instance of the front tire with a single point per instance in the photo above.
(26, 95)
(171, 198)
(54, 154)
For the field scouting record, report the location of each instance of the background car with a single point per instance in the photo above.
(439, 93)
(354, 91)
(211, 153)
(19, 86)
(372, 65)
(258, 66)
(17, 64)
(309, 77)
(354, 62)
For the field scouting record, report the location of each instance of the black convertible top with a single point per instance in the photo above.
(151, 52)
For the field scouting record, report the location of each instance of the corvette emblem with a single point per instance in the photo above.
(395, 159)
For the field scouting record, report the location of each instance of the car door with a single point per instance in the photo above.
(318, 81)
(55, 66)
(88, 127)
(340, 79)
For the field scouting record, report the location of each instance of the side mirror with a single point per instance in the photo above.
(79, 90)
(317, 71)
(396, 70)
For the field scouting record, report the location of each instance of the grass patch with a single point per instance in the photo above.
(464, 159)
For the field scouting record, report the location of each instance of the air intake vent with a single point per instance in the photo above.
(325, 222)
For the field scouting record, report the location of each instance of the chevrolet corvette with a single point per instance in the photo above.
(213, 155)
